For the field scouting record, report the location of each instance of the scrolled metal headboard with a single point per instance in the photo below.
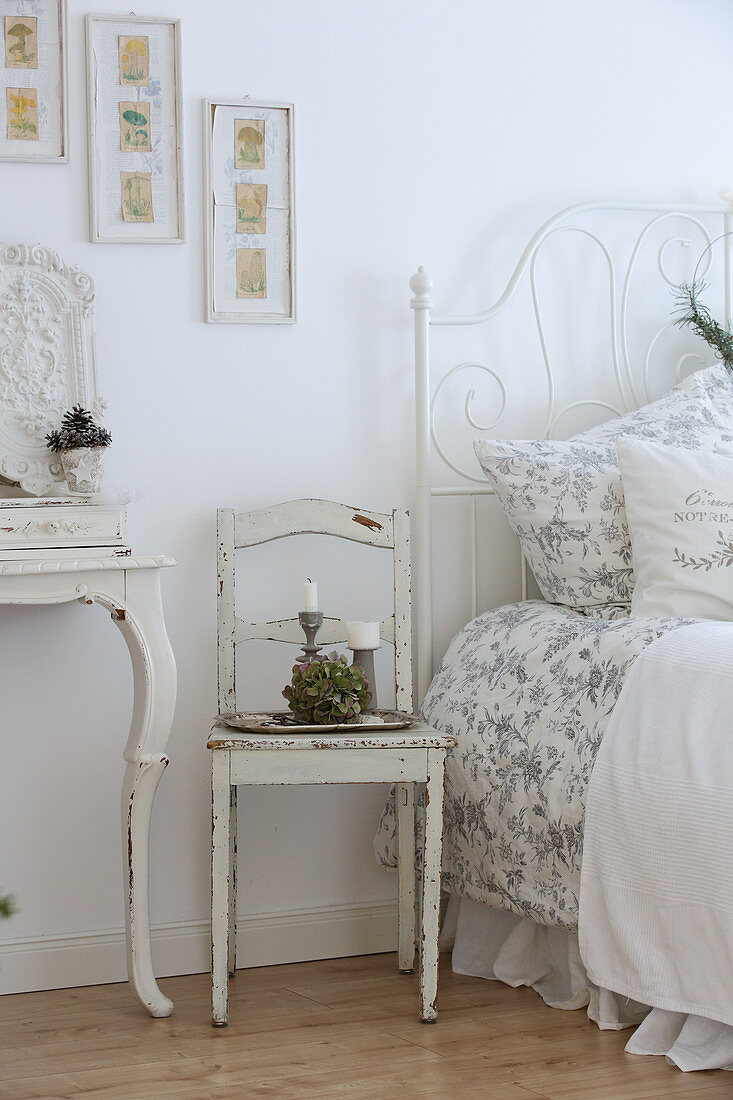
(709, 222)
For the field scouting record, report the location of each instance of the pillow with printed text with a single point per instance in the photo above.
(679, 507)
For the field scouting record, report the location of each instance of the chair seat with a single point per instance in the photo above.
(418, 736)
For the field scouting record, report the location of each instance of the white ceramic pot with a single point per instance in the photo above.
(83, 468)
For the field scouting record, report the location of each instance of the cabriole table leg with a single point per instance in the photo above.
(140, 621)
(138, 792)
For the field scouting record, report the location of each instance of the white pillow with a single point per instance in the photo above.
(679, 506)
(564, 499)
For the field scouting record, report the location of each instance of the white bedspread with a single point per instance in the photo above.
(656, 896)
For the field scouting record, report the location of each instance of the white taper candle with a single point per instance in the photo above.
(310, 596)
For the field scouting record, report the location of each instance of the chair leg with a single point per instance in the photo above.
(220, 886)
(405, 809)
(232, 921)
(434, 796)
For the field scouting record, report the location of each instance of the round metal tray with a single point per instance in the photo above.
(274, 721)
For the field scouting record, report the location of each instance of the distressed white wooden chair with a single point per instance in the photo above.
(403, 757)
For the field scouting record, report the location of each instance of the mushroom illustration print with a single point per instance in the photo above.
(137, 196)
(21, 42)
(135, 127)
(134, 54)
(251, 208)
(249, 143)
(250, 249)
(22, 108)
(251, 273)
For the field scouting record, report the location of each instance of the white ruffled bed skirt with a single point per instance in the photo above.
(500, 946)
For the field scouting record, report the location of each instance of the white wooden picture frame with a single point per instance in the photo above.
(135, 133)
(33, 73)
(249, 211)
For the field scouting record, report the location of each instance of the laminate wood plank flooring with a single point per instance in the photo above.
(339, 1028)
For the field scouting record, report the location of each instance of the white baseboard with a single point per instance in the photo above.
(95, 958)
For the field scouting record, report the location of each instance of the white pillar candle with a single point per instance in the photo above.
(362, 635)
(310, 596)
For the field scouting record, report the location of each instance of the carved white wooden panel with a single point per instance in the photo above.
(47, 358)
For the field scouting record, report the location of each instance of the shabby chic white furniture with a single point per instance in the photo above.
(129, 587)
(403, 757)
(55, 549)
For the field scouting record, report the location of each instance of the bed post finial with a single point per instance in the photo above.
(421, 284)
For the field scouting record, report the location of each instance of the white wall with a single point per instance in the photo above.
(425, 132)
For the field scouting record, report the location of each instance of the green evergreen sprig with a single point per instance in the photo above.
(695, 315)
(78, 429)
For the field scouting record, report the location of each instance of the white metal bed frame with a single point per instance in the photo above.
(471, 484)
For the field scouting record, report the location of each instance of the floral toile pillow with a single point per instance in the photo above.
(680, 514)
(564, 499)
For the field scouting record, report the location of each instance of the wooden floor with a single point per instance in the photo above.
(344, 1028)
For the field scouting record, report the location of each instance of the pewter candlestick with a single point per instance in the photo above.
(365, 659)
(311, 622)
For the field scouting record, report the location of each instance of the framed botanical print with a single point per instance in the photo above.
(135, 148)
(249, 210)
(33, 123)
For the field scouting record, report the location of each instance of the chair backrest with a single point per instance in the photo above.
(384, 530)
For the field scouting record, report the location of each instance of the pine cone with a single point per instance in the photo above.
(78, 429)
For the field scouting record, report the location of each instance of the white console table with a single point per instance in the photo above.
(129, 587)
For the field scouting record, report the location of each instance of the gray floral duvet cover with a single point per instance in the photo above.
(527, 690)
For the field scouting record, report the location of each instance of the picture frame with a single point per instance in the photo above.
(249, 210)
(135, 139)
(34, 75)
